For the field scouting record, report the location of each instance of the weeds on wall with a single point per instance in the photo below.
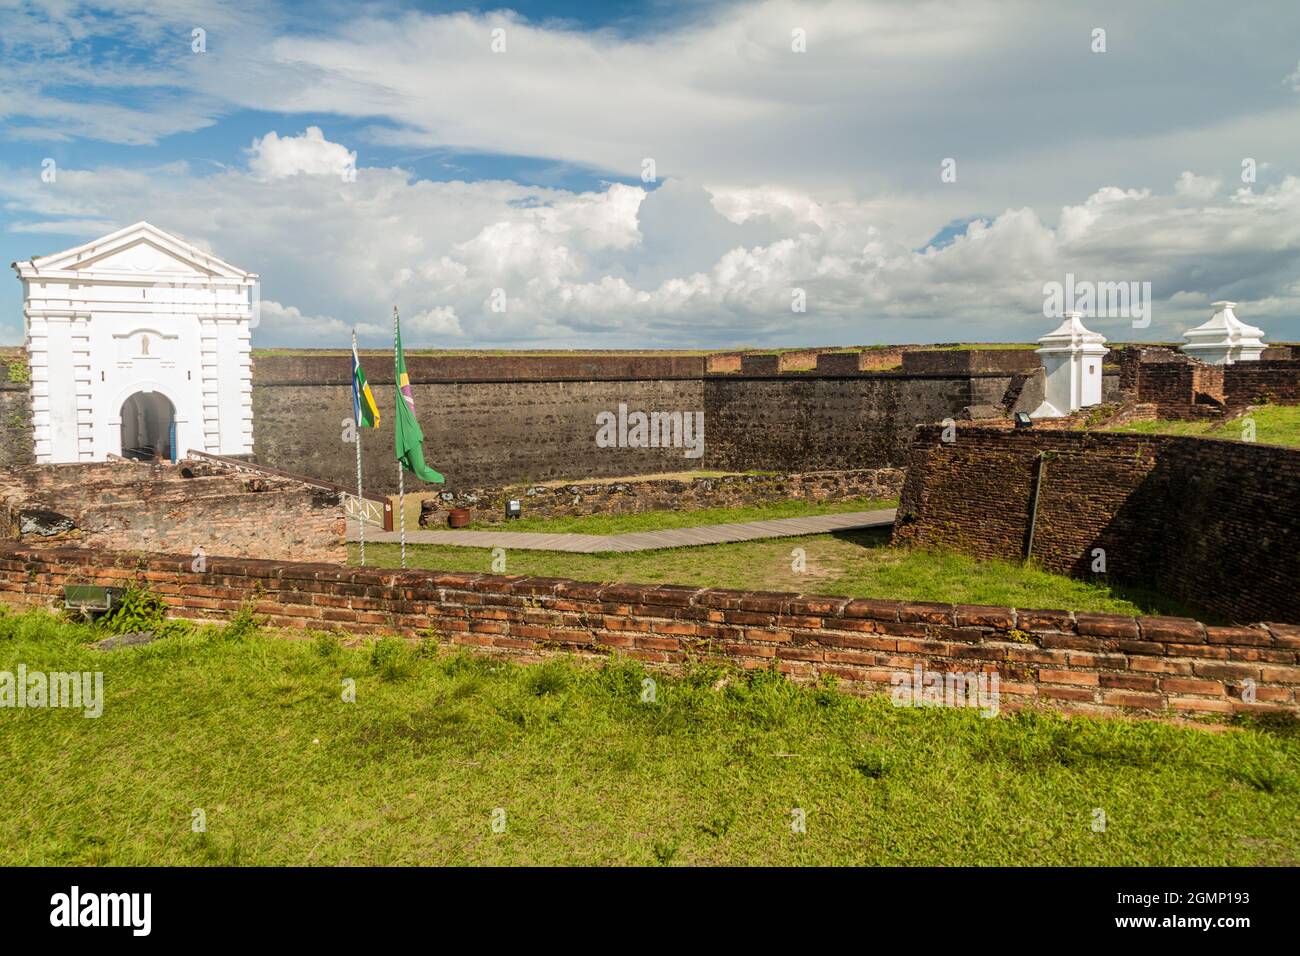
(19, 373)
(136, 609)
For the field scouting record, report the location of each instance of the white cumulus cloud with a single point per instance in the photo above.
(275, 157)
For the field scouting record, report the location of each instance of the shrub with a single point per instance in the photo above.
(135, 610)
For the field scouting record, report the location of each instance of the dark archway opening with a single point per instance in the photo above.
(147, 426)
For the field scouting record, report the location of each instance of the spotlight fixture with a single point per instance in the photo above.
(1023, 420)
(513, 509)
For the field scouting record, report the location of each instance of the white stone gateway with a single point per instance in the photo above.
(1225, 339)
(139, 346)
(1071, 358)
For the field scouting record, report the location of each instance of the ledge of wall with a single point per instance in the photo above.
(332, 369)
(970, 361)
(1097, 663)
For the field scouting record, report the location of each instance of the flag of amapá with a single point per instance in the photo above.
(407, 435)
(364, 408)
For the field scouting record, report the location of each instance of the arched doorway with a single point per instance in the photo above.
(148, 420)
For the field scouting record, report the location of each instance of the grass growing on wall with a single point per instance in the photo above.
(1274, 425)
(253, 731)
(852, 564)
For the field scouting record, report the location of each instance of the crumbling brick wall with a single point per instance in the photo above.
(1166, 383)
(1167, 377)
(1096, 663)
(122, 506)
(663, 494)
(1131, 359)
(1251, 383)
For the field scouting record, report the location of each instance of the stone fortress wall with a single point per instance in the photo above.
(492, 420)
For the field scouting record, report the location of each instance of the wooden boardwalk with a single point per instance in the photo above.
(635, 540)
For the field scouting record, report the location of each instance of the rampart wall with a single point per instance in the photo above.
(1213, 523)
(1096, 663)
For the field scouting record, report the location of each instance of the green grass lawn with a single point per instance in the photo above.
(853, 564)
(1274, 425)
(252, 730)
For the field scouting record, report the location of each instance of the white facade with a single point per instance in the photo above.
(1072, 358)
(1224, 339)
(130, 335)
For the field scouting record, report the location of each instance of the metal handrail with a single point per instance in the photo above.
(375, 509)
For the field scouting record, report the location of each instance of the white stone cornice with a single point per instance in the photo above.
(1224, 339)
(1071, 336)
(102, 255)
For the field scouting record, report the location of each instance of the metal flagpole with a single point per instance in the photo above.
(361, 502)
(401, 479)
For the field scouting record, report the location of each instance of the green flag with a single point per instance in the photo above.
(408, 437)
(364, 409)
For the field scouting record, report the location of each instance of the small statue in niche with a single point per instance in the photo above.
(144, 345)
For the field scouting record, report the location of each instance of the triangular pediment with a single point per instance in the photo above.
(138, 250)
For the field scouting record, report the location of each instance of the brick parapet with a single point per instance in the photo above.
(1098, 663)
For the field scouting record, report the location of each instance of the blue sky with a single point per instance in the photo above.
(795, 147)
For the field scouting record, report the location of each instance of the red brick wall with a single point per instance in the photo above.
(1207, 381)
(840, 363)
(851, 363)
(726, 362)
(1167, 377)
(1247, 383)
(1092, 662)
(1213, 523)
(798, 361)
(1131, 360)
(1166, 383)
